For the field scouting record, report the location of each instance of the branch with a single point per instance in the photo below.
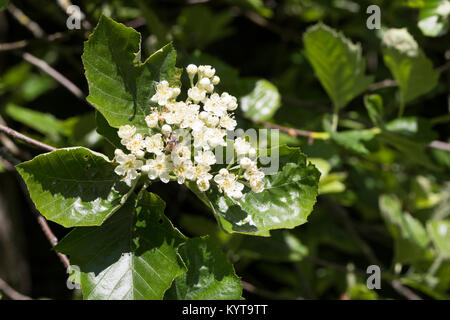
(23, 19)
(22, 137)
(404, 291)
(11, 292)
(41, 64)
(24, 43)
(440, 145)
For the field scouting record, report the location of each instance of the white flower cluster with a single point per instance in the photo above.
(401, 40)
(206, 116)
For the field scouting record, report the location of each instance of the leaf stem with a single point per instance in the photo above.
(335, 119)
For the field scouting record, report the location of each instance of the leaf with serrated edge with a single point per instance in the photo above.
(132, 256)
(120, 86)
(73, 186)
(285, 203)
(210, 275)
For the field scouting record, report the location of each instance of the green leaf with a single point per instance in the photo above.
(108, 132)
(411, 68)
(418, 129)
(262, 102)
(337, 62)
(353, 139)
(44, 123)
(133, 255)
(434, 17)
(209, 274)
(374, 106)
(409, 234)
(286, 202)
(439, 231)
(73, 186)
(120, 86)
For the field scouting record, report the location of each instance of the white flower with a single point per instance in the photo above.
(154, 144)
(401, 40)
(215, 105)
(128, 166)
(203, 184)
(215, 80)
(216, 137)
(191, 70)
(212, 121)
(443, 9)
(246, 163)
(166, 129)
(183, 171)
(205, 157)
(180, 154)
(207, 71)
(256, 185)
(175, 112)
(158, 168)
(126, 132)
(253, 173)
(227, 183)
(229, 100)
(241, 146)
(136, 145)
(228, 122)
(164, 93)
(196, 94)
(152, 119)
(201, 172)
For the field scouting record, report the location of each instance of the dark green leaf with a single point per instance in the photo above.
(209, 274)
(262, 102)
(73, 186)
(133, 255)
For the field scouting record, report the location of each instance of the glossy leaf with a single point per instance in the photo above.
(337, 62)
(262, 102)
(73, 186)
(209, 274)
(120, 85)
(133, 255)
(286, 202)
(353, 139)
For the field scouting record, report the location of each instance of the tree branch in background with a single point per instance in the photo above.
(11, 292)
(41, 64)
(24, 43)
(22, 137)
(24, 20)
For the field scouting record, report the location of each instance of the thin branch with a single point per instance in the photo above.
(24, 43)
(265, 293)
(22, 137)
(404, 291)
(11, 292)
(440, 145)
(54, 74)
(24, 20)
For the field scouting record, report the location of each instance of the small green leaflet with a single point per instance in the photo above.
(286, 202)
(120, 85)
(337, 62)
(73, 186)
(209, 276)
(133, 255)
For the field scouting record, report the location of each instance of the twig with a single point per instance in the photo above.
(24, 43)
(440, 145)
(51, 238)
(31, 141)
(54, 74)
(404, 291)
(389, 83)
(23, 19)
(11, 292)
